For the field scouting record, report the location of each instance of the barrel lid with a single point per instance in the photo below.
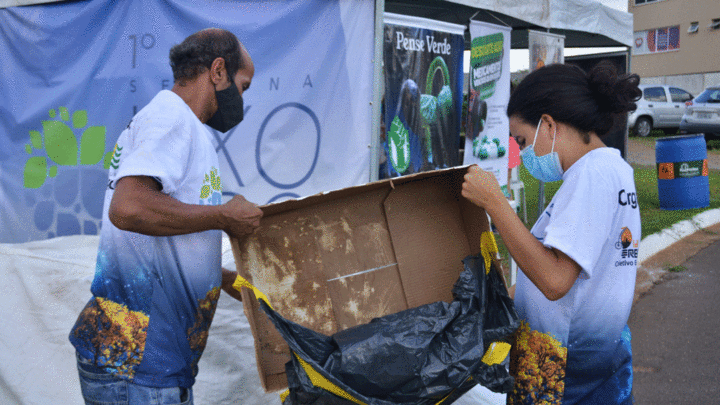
(679, 137)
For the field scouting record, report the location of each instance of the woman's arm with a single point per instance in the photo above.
(552, 271)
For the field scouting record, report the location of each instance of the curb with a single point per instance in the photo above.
(652, 244)
(671, 247)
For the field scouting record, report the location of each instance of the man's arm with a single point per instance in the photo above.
(139, 206)
(228, 279)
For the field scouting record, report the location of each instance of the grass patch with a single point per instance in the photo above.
(653, 218)
(677, 269)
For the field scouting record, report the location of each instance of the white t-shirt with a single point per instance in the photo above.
(155, 297)
(593, 218)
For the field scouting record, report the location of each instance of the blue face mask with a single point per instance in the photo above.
(545, 168)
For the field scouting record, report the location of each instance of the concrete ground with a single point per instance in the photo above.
(675, 327)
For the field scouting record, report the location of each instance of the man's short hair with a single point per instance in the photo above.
(197, 52)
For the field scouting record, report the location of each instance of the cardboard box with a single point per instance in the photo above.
(339, 259)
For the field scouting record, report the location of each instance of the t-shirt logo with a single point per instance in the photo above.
(211, 191)
(625, 198)
(625, 241)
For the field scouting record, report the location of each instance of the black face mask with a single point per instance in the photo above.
(230, 109)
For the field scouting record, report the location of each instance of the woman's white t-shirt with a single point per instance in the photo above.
(593, 218)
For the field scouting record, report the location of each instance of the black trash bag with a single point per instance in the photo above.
(418, 356)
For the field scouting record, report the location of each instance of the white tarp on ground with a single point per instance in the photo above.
(47, 283)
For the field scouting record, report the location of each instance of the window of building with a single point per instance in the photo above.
(694, 27)
(679, 95)
(656, 94)
(657, 40)
(640, 2)
(715, 24)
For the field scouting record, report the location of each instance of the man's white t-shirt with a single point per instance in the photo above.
(593, 218)
(154, 297)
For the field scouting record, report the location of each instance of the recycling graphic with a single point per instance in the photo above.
(423, 95)
(487, 129)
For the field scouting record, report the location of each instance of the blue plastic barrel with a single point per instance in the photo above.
(683, 181)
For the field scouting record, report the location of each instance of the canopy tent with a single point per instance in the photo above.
(584, 23)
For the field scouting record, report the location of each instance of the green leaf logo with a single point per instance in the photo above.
(399, 145)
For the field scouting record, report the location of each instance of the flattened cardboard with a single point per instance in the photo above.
(338, 259)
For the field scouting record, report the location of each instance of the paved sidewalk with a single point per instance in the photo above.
(675, 328)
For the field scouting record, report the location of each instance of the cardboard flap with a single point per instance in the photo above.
(428, 234)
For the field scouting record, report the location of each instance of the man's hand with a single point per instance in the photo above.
(228, 279)
(241, 217)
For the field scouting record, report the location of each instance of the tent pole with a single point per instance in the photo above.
(377, 89)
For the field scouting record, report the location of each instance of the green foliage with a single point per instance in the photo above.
(653, 219)
(677, 269)
(713, 144)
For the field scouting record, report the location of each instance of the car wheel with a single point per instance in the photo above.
(643, 127)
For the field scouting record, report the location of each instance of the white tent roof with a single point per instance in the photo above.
(585, 23)
(588, 16)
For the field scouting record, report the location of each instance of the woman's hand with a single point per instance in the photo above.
(482, 188)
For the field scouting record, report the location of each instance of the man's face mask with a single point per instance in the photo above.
(230, 109)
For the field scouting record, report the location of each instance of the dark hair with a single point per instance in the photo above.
(198, 51)
(590, 101)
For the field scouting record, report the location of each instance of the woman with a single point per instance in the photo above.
(579, 260)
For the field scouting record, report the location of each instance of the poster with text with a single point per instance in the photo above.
(545, 49)
(487, 130)
(423, 95)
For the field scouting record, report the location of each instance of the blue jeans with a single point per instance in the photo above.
(101, 388)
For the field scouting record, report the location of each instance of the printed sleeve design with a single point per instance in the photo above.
(537, 361)
(211, 190)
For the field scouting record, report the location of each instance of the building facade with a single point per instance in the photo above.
(677, 42)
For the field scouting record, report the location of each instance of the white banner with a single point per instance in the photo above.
(307, 126)
(545, 49)
(487, 129)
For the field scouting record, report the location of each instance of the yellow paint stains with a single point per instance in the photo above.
(333, 235)
(271, 275)
(325, 308)
(129, 322)
(376, 237)
(364, 305)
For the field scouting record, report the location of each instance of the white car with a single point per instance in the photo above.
(661, 106)
(703, 114)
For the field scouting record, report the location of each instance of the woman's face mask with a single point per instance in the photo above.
(230, 109)
(545, 168)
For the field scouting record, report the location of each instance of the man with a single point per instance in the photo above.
(158, 274)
